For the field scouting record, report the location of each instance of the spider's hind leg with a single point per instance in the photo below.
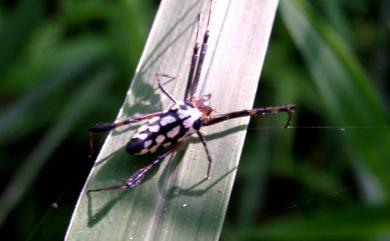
(137, 176)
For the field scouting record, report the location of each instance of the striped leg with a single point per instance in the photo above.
(254, 112)
(194, 60)
(198, 58)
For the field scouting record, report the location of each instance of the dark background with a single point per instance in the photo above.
(67, 64)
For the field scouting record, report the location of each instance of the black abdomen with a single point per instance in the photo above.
(165, 130)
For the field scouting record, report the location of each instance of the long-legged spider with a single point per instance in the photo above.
(165, 131)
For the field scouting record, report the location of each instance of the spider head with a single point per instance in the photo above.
(203, 104)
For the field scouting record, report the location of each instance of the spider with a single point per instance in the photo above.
(166, 131)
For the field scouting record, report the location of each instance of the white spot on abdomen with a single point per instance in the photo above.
(142, 136)
(193, 115)
(183, 114)
(154, 128)
(147, 143)
(188, 123)
(173, 133)
(160, 139)
(167, 119)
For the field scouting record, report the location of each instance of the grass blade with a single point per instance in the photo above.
(347, 93)
(69, 117)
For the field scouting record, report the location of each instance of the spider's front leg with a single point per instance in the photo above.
(289, 108)
(158, 79)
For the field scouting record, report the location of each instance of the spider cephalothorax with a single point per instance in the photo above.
(203, 105)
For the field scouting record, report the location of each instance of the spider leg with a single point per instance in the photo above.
(253, 112)
(137, 176)
(100, 127)
(204, 142)
(194, 60)
(158, 78)
(203, 50)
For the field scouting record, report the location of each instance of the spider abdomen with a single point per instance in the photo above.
(170, 127)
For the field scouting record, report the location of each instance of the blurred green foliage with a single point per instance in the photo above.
(67, 64)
